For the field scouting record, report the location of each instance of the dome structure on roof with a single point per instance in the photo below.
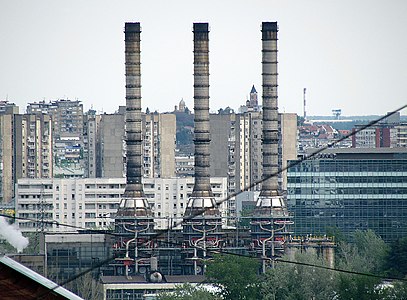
(181, 105)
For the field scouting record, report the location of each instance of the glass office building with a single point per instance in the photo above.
(350, 189)
(69, 254)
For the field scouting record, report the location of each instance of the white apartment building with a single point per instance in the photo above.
(401, 134)
(91, 203)
(184, 166)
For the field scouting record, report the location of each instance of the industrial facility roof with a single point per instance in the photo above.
(349, 151)
(142, 279)
(20, 282)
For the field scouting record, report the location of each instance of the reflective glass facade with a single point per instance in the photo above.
(71, 253)
(349, 191)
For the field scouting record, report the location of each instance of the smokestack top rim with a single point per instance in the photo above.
(132, 27)
(269, 26)
(200, 27)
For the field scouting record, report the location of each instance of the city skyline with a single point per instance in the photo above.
(348, 55)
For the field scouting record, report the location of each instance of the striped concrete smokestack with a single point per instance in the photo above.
(270, 108)
(202, 187)
(134, 221)
(133, 194)
(202, 226)
(202, 197)
(271, 218)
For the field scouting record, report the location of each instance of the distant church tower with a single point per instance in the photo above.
(253, 98)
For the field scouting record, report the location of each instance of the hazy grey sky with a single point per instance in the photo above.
(349, 54)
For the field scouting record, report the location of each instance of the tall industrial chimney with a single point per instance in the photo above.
(202, 187)
(202, 220)
(270, 217)
(270, 109)
(133, 222)
(133, 194)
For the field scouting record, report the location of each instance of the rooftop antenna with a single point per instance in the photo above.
(305, 105)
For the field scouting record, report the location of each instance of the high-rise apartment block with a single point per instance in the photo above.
(159, 145)
(67, 129)
(67, 116)
(288, 143)
(249, 149)
(90, 141)
(7, 150)
(223, 140)
(111, 149)
(8, 108)
(34, 155)
(90, 145)
(7, 174)
(237, 141)
(239, 147)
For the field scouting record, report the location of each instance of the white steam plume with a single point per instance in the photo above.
(13, 235)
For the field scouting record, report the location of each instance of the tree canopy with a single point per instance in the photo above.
(291, 281)
(236, 276)
(188, 292)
